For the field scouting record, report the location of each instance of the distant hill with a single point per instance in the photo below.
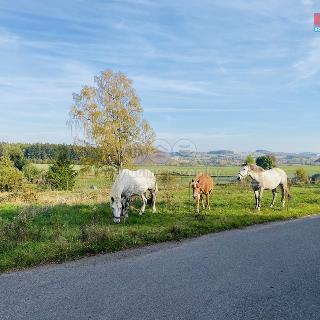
(158, 157)
(308, 154)
(221, 152)
(263, 151)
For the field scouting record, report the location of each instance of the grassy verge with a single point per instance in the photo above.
(43, 233)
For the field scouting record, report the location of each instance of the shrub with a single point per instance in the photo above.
(11, 178)
(32, 173)
(61, 175)
(15, 154)
(301, 176)
(266, 162)
(168, 180)
(315, 178)
(250, 159)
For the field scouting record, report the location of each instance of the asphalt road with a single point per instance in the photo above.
(263, 272)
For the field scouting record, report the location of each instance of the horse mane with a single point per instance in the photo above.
(256, 168)
(117, 186)
(201, 174)
(198, 176)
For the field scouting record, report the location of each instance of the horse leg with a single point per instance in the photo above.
(256, 196)
(126, 207)
(197, 204)
(274, 195)
(208, 200)
(144, 202)
(202, 201)
(283, 197)
(259, 199)
(154, 197)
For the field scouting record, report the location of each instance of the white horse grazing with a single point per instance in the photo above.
(127, 184)
(265, 180)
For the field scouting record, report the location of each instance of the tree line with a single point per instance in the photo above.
(41, 152)
(17, 173)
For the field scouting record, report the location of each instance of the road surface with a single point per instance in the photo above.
(263, 272)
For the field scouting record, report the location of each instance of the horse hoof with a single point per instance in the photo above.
(140, 213)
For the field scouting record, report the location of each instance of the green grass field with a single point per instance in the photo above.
(226, 171)
(67, 225)
(213, 170)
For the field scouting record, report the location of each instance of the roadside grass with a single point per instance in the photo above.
(56, 231)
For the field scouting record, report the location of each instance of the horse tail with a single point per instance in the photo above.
(288, 194)
(154, 193)
(156, 187)
(286, 189)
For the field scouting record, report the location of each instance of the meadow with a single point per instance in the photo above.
(213, 170)
(61, 226)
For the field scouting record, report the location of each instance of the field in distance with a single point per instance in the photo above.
(212, 170)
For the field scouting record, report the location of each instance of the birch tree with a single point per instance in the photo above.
(111, 118)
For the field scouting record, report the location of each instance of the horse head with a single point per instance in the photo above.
(196, 190)
(117, 208)
(244, 171)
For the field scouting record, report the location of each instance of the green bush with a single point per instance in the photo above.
(11, 179)
(61, 175)
(15, 154)
(315, 178)
(250, 159)
(301, 176)
(266, 162)
(32, 173)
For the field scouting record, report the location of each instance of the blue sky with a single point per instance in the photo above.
(237, 75)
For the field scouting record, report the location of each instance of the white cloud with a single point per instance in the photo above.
(147, 83)
(309, 65)
(180, 109)
(7, 39)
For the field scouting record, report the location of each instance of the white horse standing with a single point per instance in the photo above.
(265, 180)
(127, 184)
